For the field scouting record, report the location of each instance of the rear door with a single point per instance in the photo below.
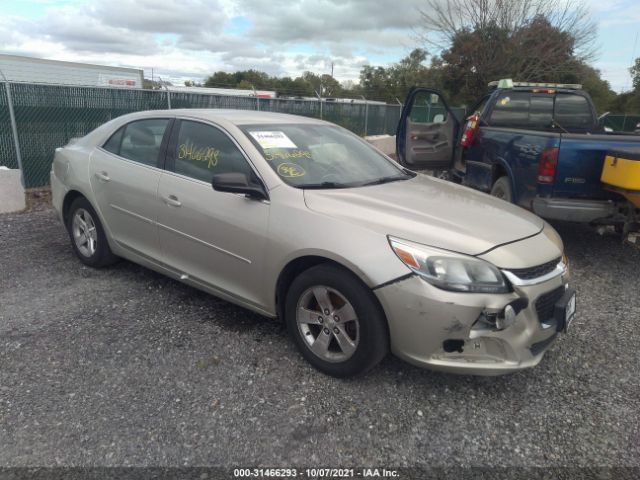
(427, 131)
(124, 176)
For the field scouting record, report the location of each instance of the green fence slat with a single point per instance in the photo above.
(7, 148)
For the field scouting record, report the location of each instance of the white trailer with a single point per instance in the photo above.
(232, 92)
(39, 70)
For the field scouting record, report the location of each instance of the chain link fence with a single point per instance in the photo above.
(48, 116)
(621, 123)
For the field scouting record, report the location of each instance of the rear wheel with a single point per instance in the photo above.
(502, 189)
(335, 321)
(87, 235)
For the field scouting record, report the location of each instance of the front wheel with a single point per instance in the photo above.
(502, 189)
(336, 322)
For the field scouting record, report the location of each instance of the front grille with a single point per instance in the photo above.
(546, 302)
(535, 272)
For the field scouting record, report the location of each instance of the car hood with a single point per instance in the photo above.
(429, 211)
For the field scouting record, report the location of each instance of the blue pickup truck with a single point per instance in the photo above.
(536, 145)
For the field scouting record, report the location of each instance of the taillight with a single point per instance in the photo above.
(469, 130)
(548, 164)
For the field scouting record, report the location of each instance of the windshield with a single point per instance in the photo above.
(322, 156)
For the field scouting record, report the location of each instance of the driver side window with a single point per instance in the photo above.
(203, 150)
(428, 108)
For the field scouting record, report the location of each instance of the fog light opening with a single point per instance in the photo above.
(452, 345)
(507, 318)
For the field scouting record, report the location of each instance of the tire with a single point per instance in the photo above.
(502, 189)
(355, 342)
(87, 235)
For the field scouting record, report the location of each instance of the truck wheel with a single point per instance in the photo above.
(502, 189)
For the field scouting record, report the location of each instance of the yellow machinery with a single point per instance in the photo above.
(621, 173)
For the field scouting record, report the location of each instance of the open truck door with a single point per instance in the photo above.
(427, 132)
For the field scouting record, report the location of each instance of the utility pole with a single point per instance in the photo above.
(168, 92)
(319, 95)
(331, 69)
(255, 94)
(366, 115)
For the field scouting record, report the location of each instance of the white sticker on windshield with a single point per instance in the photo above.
(273, 140)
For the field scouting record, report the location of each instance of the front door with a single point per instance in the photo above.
(427, 131)
(216, 239)
(124, 176)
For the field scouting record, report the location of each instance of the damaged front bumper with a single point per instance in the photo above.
(448, 331)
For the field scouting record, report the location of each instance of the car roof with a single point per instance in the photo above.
(236, 117)
(219, 116)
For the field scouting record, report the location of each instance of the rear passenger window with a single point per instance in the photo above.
(573, 112)
(203, 151)
(113, 144)
(523, 109)
(141, 141)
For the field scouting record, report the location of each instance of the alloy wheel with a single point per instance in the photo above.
(84, 231)
(328, 323)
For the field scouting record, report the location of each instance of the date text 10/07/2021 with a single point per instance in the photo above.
(315, 473)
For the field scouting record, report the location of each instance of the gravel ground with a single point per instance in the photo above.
(123, 366)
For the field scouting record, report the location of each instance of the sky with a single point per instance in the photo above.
(190, 39)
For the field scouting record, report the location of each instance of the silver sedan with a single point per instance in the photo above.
(300, 219)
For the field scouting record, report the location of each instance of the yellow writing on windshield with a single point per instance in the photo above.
(188, 151)
(270, 155)
(290, 170)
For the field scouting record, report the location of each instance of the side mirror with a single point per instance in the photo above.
(237, 182)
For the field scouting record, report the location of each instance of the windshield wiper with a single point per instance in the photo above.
(321, 185)
(380, 181)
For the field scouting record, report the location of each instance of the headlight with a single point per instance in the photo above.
(450, 271)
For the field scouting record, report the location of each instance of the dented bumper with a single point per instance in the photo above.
(424, 321)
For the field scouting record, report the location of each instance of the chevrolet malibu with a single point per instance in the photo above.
(297, 218)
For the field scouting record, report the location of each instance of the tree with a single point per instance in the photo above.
(393, 83)
(149, 84)
(442, 22)
(375, 82)
(599, 89)
(408, 72)
(304, 86)
(485, 40)
(324, 84)
(248, 78)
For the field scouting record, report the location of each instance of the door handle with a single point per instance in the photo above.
(103, 176)
(172, 201)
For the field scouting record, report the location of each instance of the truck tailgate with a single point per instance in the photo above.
(580, 164)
